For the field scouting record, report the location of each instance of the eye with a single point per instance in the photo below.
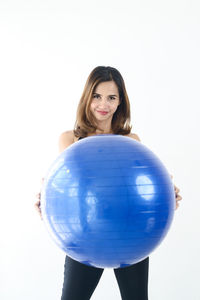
(96, 96)
(112, 98)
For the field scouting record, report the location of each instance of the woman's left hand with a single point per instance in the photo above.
(178, 197)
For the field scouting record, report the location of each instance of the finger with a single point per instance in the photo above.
(175, 187)
(38, 195)
(176, 193)
(177, 205)
(40, 216)
(38, 211)
(37, 205)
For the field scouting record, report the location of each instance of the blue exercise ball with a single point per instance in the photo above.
(107, 201)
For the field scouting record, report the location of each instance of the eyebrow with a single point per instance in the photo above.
(101, 95)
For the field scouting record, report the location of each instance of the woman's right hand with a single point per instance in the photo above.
(38, 203)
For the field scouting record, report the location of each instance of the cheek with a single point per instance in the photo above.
(115, 108)
(92, 106)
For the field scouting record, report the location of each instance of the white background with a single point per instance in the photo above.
(47, 50)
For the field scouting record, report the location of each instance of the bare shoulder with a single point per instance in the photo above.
(134, 136)
(66, 138)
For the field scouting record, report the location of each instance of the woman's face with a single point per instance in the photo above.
(105, 100)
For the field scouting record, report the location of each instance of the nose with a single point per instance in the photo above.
(103, 103)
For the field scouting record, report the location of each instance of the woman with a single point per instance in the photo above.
(104, 108)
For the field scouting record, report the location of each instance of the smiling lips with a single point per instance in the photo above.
(102, 112)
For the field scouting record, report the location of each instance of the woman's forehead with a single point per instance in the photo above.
(108, 87)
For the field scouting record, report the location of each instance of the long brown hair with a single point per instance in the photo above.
(85, 122)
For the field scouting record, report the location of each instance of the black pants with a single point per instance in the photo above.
(80, 280)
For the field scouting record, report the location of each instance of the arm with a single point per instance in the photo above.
(134, 136)
(65, 140)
